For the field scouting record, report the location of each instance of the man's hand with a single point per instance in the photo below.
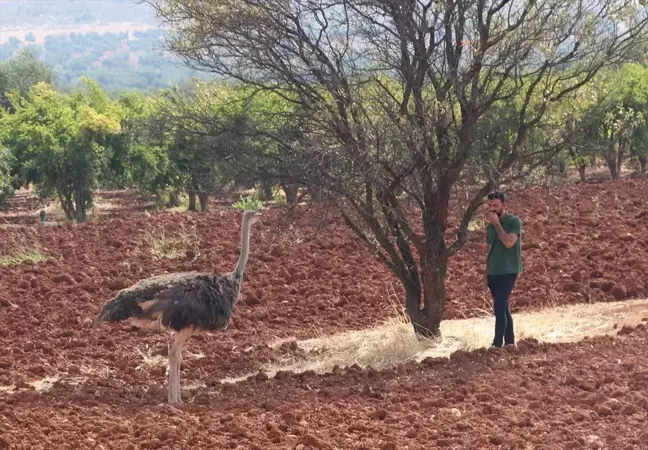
(493, 218)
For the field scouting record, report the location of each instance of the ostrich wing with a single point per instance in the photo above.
(192, 299)
(131, 301)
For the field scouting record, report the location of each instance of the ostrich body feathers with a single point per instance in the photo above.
(177, 301)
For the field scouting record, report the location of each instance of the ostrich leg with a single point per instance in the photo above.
(175, 360)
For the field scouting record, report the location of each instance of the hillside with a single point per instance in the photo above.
(115, 42)
(51, 14)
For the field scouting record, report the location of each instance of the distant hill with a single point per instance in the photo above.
(116, 42)
(70, 13)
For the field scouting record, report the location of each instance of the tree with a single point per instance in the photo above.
(63, 138)
(211, 125)
(616, 128)
(609, 119)
(635, 78)
(393, 96)
(22, 72)
(6, 187)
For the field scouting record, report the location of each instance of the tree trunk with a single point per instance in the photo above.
(174, 199)
(192, 200)
(266, 191)
(562, 168)
(203, 197)
(643, 162)
(427, 320)
(65, 198)
(612, 166)
(581, 172)
(433, 266)
(291, 191)
(316, 195)
(80, 206)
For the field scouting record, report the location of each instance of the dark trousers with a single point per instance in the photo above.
(501, 287)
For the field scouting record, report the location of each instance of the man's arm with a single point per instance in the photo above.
(509, 239)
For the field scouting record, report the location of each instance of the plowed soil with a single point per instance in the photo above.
(582, 243)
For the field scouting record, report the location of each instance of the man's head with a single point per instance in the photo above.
(496, 202)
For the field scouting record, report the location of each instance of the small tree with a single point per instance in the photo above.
(64, 140)
(6, 187)
(22, 72)
(394, 95)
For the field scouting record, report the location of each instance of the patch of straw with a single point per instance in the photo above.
(163, 245)
(20, 252)
(394, 342)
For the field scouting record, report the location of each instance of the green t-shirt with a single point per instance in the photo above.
(502, 260)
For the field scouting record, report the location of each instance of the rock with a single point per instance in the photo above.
(291, 419)
(629, 410)
(619, 291)
(607, 286)
(411, 433)
(309, 440)
(577, 276)
(252, 300)
(625, 330)
(574, 286)
(603, 411)
(614, 404)
(388, 446)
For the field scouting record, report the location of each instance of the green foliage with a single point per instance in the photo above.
(6, 163)
(62, 138)
(118, 61)
(23, 255)
(277, 197)
(22, 72)
(249, 203)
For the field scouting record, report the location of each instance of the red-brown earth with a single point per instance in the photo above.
(582, 243)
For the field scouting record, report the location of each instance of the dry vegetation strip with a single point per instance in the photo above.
(394, 343)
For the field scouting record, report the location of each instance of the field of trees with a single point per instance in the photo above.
(43, 14)
(118, 60)
(369, 134)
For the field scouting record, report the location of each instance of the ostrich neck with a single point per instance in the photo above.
(245, 248)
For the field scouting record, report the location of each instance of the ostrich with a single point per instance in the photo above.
(184, 303)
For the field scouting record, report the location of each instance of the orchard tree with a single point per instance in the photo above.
(6, 185)
(612, 123)
(22, 72)
(393, 95)
(213, 127)
(64, 139)
(635, 78)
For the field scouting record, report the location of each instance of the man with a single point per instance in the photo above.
(503, 264)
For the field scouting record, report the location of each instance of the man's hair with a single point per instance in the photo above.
(497, 195)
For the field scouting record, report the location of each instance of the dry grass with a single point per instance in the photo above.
(20, 251)
(394, 342)
(174, 246)
(476, 225)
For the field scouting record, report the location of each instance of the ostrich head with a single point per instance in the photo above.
(250, 217)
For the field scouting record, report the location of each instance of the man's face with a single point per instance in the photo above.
(496, 206)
